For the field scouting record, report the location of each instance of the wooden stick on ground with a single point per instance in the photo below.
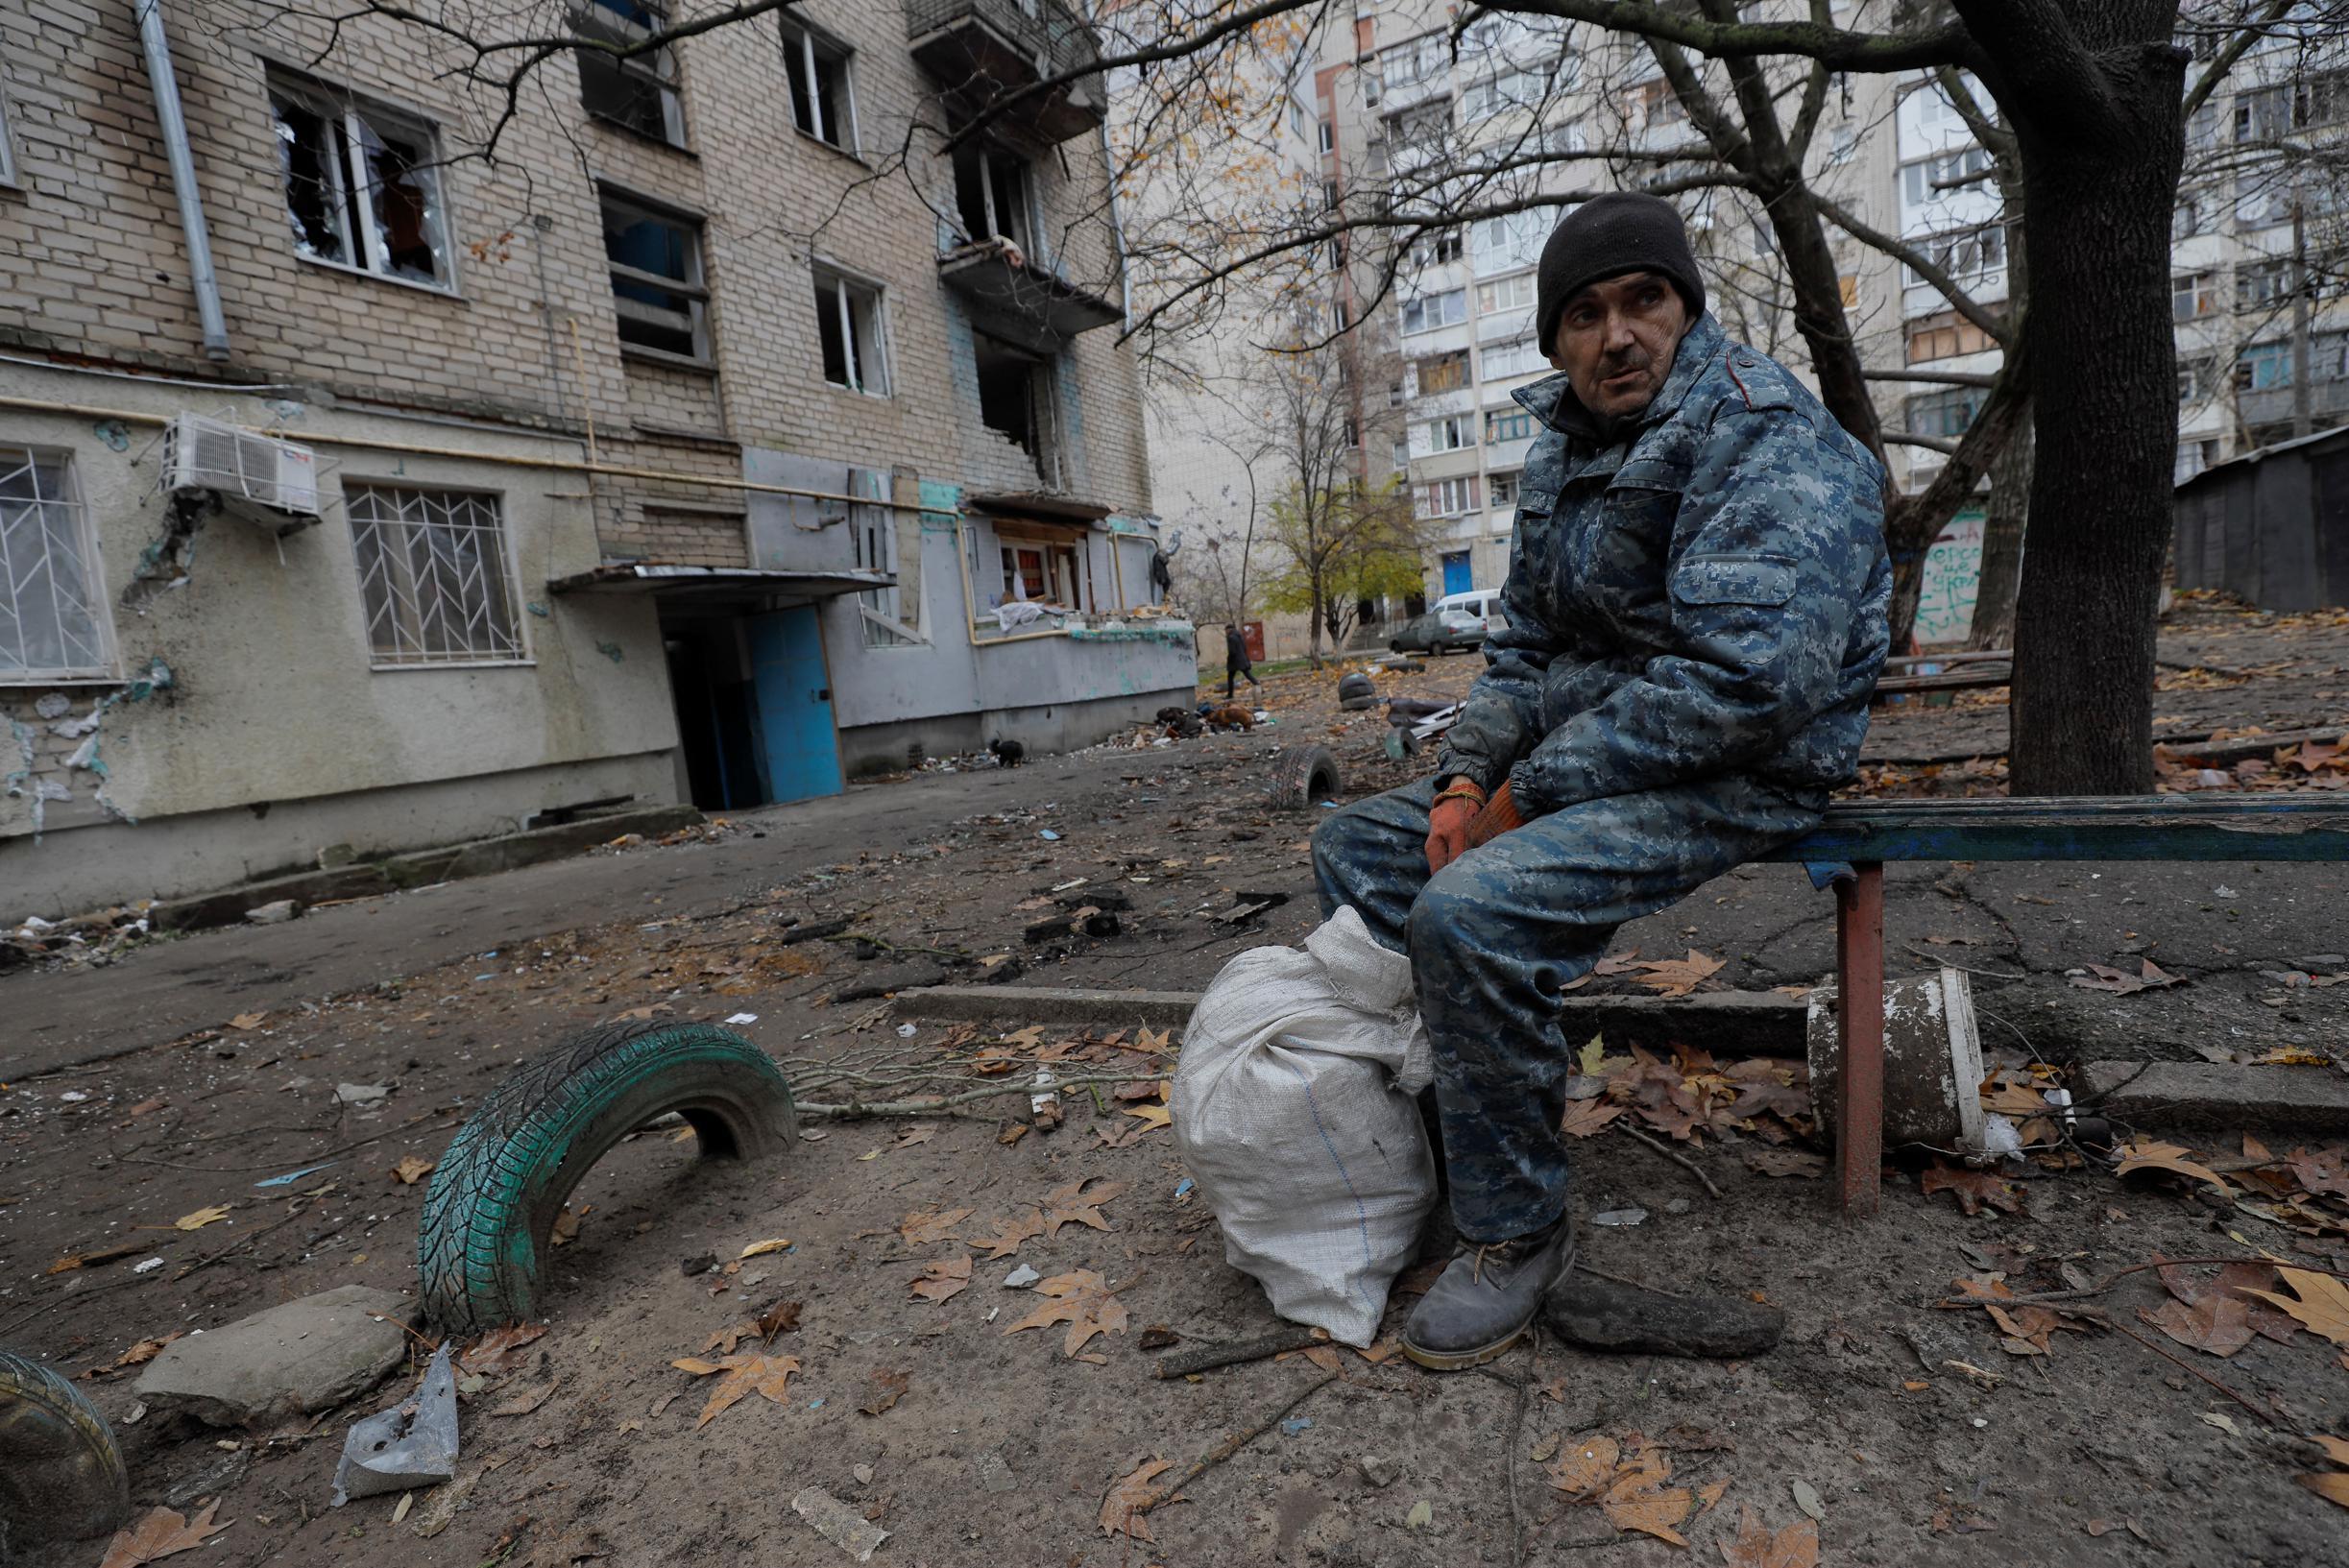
(1231, 1445)
(1229, 1352)
(1680, 1160)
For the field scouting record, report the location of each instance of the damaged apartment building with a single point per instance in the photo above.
(734, 419)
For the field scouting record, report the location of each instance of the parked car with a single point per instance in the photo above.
(1483, 603)
(1438, 632)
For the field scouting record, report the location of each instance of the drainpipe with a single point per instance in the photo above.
(174, 124)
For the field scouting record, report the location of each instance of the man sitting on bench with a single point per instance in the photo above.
(1695, 609)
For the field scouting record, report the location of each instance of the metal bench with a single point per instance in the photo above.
(1848, 850)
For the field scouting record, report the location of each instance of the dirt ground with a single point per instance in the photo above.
(181, 1074)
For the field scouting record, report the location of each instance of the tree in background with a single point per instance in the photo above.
(1335, 550)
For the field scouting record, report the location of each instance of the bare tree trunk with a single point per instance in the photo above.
(2002, 536)
(2094, 89)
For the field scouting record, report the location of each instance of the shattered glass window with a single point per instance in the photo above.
(656, 279)
(361, 185)
(822, 100)
(637, 91)
(434, 575)
(51, 627)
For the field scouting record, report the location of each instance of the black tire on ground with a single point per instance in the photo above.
(497, 1193)
(60, 1474)
(1304, 775)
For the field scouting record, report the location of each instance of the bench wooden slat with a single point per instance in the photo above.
(2200, 826)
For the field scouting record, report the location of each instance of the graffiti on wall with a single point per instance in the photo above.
(1952, 574)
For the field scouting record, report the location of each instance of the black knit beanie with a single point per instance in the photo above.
(1621, 232)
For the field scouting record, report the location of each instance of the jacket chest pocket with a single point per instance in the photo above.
(1624, 551)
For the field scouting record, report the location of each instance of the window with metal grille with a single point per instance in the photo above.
(638, 91)
(435, 576)
(52, 626)
(823, 99)
(361, 183)
(656, 279)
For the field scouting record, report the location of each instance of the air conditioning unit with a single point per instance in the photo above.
(269, 482)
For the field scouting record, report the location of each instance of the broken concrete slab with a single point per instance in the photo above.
(890, 979)
(1738, 1023)
(419, 868)
(305, 1356)
(2218, 1095)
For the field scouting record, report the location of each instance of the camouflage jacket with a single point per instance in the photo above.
(1702, 595)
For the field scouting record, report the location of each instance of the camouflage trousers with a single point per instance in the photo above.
(1497, 935)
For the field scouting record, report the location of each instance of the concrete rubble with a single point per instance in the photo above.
(306, 1356)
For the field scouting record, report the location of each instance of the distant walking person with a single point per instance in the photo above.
(1236, 660)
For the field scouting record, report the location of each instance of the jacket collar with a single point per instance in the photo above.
(1552, 400)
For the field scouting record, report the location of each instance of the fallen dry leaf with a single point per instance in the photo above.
(1973, 1189)
(146, 1350)
(1122, 1510)
(1153, 1116)
(2333, 1485)
(773, 1243)
(103, 1254)
(1586, 1117)
(2337, 1449)
(924, 1228)
(2170, 1157)
(1586, 1466)
(947, 1277)
(566, 1226)
(2319, 1301)
(2320, 1174)
(1797, 1546)
(201, 1218)
(1640, 1501)
(247, 1021)
(765, 1375)
(2120, 982)
(500, 1350)
(525, 1403)
(412, 1170)
(1083, 1301)
(1010, 1233)
(160, 1534)
(887, 1389)
(1676, 976)
(1078, 1203)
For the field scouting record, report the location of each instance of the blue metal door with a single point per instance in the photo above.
(1456, 576)
(799, 754)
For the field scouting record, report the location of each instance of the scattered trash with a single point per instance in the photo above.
(149, 1267)
(744, 1018)
(361, 1094)
(1020, 1278)
(906, 1032)
(1049, 838)
(291, 1176)
(412, 1444)
(1999, 1136)
(73, 1097)
(1623, 1218)
(839, 1524)
(1294, 1425)
(274, 914)
(1184, 1187)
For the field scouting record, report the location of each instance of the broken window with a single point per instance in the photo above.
(2193, 295)
(848, 327)
(657, 278)
(1015, 395)
(991, 193)
(637, 91)
(1044, 571)
(8, 146)
(1944, 335)
(51, 626)
(361, 183)
(434, 575)
(1444, 373)
(873, 533)
(823, 104)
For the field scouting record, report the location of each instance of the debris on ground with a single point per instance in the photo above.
(412, 1444)
(303, 1357)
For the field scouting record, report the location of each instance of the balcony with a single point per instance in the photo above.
(2328, 402)
(981, 51)
(1013, 299)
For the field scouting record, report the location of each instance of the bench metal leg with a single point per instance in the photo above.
(1859, 972)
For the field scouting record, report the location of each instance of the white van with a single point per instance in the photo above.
(1484, 604)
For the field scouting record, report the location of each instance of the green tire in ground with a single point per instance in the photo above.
(497, 1193)
(60, 1474)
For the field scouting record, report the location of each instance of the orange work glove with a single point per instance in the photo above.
(1499, 816)
(1456, 806)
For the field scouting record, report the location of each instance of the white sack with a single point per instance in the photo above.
(1293, 1108)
